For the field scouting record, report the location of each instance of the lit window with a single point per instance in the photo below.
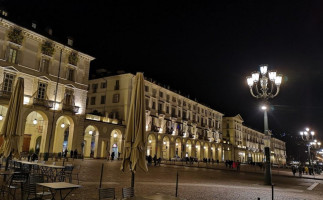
(12, 57)
(41, 93)
(70, 74)
(116, 98)
(44, 65)
(8, 82)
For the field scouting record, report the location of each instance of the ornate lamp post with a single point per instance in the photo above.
(308, 136)
(265, 85)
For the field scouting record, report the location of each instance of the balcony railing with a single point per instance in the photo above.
(71, 108)
(5, 94)
(43, 102)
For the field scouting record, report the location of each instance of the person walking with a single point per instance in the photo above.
(238, 165)
(155, 160)
(300, 170)
(112, 156)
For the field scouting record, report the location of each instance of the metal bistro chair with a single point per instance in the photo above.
(68, 173)
(15, 181)
(128, 192)
(107, 193)
(76, 171)
(31, 187)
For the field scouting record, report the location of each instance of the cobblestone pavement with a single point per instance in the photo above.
(194, 182)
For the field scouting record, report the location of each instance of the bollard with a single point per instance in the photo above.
(258, 198)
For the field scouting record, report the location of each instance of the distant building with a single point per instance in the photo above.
(176, 125)
(36, 58)
(247, 145)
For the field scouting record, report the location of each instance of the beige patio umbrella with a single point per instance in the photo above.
(11, 131)
(135, 141)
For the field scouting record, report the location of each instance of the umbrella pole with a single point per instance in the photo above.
(176, 184)
(132, 179)
(101, 175)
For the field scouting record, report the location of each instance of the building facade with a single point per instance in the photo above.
(176, 125)
(248, 145)
(55, 78)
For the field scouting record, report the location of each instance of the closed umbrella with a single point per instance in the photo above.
(11, 131)
(135, 141)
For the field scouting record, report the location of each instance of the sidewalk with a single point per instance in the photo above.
(244, 168)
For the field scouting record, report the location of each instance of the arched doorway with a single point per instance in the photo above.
(64, 131)
(198, 150)
(115, 143)
(188, 152)
(165, 148)
(90, 144)
(35, 132)
(151, 147)
(178, 148)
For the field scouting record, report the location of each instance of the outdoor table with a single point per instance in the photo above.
(59, 187)
(51, 171)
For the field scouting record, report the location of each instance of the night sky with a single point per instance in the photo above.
(203, 49)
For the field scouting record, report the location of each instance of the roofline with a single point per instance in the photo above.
(41, 37)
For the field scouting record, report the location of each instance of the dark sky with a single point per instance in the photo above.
(204, 49)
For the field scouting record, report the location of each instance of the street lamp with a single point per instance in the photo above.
(265, 85)
(308, 136)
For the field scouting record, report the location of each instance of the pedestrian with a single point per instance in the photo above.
(75, 153)
(226, 163)
(300, 169)
(155, 160)
(65, 153)
(294, 170)
(119, 155)
(72, 154)
(306, 170)
(112, 156)
(149, 160)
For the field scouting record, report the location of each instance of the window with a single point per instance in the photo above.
(8, 82)
(167, 109)
(146, 88)
(154, 92)
(147, 103)
(116, 98)
(103, 99)
(154, 105)
(104, 85)
(174, 99)
(167, 98)
(69, 97)
(41, 93)
(70, 74)
(179, 113)
(92, 100)
(44, 65)
(160, 106)
(12, 57)
(116, 87)
(94, 87)
(161, 94)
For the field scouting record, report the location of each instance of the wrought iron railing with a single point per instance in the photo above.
(43, 102)
(71, 108)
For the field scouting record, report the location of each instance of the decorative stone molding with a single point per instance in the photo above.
(15, 35)
(73, 58)
(47, 48)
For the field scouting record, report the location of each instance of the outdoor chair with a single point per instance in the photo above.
(107, 193)
(76, 171)
(31, 187)
(14, 182)
(128, 192)
(68, 173)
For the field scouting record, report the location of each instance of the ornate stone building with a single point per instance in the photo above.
(56, 80)
(176, 125)
(247, 144)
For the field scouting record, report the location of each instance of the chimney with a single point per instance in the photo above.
(34, 24)
(49, 31)
(70, 41)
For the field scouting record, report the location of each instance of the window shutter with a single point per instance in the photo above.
(7, 54)
(18, 57)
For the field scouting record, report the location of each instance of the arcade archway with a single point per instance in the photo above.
(63, 138)
(151, 146)
(116, 144)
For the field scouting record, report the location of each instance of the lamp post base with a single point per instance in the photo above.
(268, 167)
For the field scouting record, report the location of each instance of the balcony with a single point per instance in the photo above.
(161, 112)
(174, 115)
(71, 108)
(5, 94)
(43, 102)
